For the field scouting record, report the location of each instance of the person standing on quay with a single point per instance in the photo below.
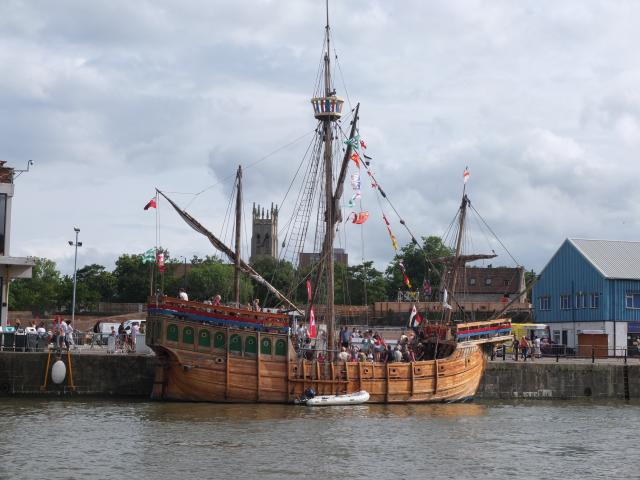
(515, 345)
(524, 346)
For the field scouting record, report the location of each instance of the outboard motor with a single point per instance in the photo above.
(309, 393)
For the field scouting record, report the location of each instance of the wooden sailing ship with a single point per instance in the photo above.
(231, 354)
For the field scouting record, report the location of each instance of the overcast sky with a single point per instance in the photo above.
(540, 99)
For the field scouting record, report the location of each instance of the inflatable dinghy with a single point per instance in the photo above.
(329, 400)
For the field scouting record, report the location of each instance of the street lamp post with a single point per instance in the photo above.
(75, 278)
(184, 277)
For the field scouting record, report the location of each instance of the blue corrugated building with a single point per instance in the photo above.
(591, 287)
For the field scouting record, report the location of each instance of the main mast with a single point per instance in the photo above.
(328, 109)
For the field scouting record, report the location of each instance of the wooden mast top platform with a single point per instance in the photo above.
(327, 108)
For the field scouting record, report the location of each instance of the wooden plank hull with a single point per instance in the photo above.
(221, 364)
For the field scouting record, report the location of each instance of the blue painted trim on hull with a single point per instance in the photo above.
(505, 331)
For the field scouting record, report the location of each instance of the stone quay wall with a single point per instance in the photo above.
(23, 373)
(564, 380)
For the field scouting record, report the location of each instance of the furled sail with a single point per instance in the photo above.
(248, 269)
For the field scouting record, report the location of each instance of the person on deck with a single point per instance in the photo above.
(345, 337)
(256, 304)
(354, 335)
(182, 295)
(378, 346)
(344, 356)
(216, 300)
(397, 354)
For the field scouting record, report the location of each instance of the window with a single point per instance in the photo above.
(565, 302)
(472, 281)
(506, 283)
(581, 300)
(487, 281)
(594, 300)
(632, 300)
(544, 302)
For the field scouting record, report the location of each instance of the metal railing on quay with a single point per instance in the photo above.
(565, 352)
(43, 342)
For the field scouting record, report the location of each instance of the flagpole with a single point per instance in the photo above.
(155, 253)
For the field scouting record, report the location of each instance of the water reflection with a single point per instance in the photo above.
(207, 412)
(164, 440)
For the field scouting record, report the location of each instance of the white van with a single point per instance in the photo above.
(130, 323)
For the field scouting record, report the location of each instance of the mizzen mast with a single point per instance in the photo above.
(457, 256)
(328, 109)
(236, 273)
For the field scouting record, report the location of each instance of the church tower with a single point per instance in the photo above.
(264, 234)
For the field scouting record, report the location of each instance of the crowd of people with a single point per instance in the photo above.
(358, 346)
(527, 348)
(217, 300)
(39, 335)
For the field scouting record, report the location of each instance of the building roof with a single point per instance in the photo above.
(613, 258)
(489, 280)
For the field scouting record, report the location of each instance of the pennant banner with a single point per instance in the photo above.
(360, 218)
(355, 181)
(309, 290)
(356, 159)
(363, 144)
(353, 142)
(394, 242)
(149, 255)
(466, 175)
(407, 282)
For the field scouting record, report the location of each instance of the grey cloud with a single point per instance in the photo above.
(112, 99)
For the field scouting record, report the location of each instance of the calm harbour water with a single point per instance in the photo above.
(88, 438)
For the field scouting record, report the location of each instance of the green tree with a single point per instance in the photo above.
(39, 293)
(363, 278)
(94, 284)
(131, 277)
(414, 258)
(279, 273)
(213, 277)
(530, 278)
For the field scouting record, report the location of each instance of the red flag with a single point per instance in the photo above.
(356, 158)
(151, 204)
(363, 145)
(160, 261)
(309, 290)
(312, 324)
(426, 287)
(466, 175)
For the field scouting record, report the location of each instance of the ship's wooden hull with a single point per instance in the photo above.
(200, 362)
